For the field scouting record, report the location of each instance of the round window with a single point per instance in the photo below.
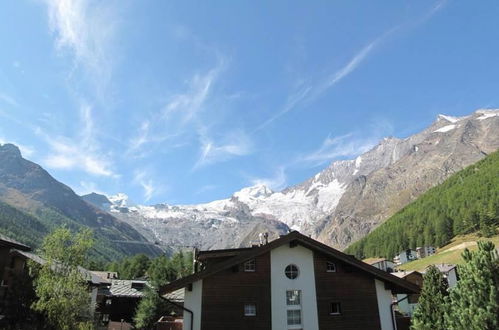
(291, 271)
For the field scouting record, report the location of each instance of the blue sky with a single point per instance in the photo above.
(189, 101)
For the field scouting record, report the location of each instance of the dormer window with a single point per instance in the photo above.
(250, 266)
(330, 267)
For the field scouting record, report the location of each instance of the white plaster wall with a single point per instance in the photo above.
(193, 301)
(404, 306)
(93, 300)
(303, 258)
(384, 298)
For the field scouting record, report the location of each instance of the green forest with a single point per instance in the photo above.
(466, 202)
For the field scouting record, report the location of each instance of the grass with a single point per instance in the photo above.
(443, 254)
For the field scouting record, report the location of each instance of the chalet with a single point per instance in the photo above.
(405, 256)
(449, 271)
(381, 263)
(293, 282)
(425, 251)
(407, 302)
(7, 266)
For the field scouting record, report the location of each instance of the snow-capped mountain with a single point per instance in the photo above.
(338, 205)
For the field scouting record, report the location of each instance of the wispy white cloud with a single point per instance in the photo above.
(205, 188)
(179, 116)
(348, 145)
(87, 30)
(306, 94)
(8, 99)
(80, 152)
(236, 143)
(277, 182)
(143, 179)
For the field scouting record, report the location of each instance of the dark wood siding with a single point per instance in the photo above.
(353, 289)
(226, 293)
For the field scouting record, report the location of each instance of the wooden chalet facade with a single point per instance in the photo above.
(293, 282)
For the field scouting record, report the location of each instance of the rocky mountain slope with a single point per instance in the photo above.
(339, 205)
(45, 203)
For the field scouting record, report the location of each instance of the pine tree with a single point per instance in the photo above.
(429, 314)
(474, 302)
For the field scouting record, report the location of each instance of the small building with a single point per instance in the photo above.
(425, 251)
(293, 282)
(120, 300)
(407, 302)
(449, 271)
(8, 266)
(405, 256)
(381, 263)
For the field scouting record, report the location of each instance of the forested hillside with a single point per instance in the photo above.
(466, 202)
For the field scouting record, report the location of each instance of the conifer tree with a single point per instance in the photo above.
(474, 302)
(429, 314)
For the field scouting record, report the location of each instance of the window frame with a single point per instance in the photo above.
(289, 273)
(335, 303)
(247, 264)
(328, 263)
(245, 310)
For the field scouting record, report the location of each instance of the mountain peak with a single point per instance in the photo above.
(9, 148)
(257, 191)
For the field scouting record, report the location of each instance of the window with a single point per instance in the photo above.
(250, 265)
(105, 318)
(294, 317)
(109, 301)
(293, 309)
(335, 308)
(330, 267)
(250, 310)
(293, 297)
(291, 271)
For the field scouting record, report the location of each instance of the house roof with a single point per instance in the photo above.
(399, 285)
(89, 277)
(11, 243)
(372, 261)
(404, 273)
(444, 268)
(125, 288)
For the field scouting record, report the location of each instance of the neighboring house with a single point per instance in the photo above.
(450, 273)
(405, 256)
(121, 300)
(293, 282)
(425, 251)
(408, 302)
(381, 263)
(20, 259)
(7, 266)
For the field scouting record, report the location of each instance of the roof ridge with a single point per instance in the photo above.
(306, 242)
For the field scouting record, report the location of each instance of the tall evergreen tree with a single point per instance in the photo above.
(474, 302)
(429, 314)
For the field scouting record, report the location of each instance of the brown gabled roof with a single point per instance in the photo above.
(397, 284)
(9, 242)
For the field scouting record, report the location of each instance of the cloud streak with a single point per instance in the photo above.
(348, 145)
(80, 152)
(86, 30)
(277, 182)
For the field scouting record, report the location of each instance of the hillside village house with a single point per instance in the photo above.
(425, 251)
(407, 302)
(293, 282)
(405, 256)
(381, 263)
(449, 271)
